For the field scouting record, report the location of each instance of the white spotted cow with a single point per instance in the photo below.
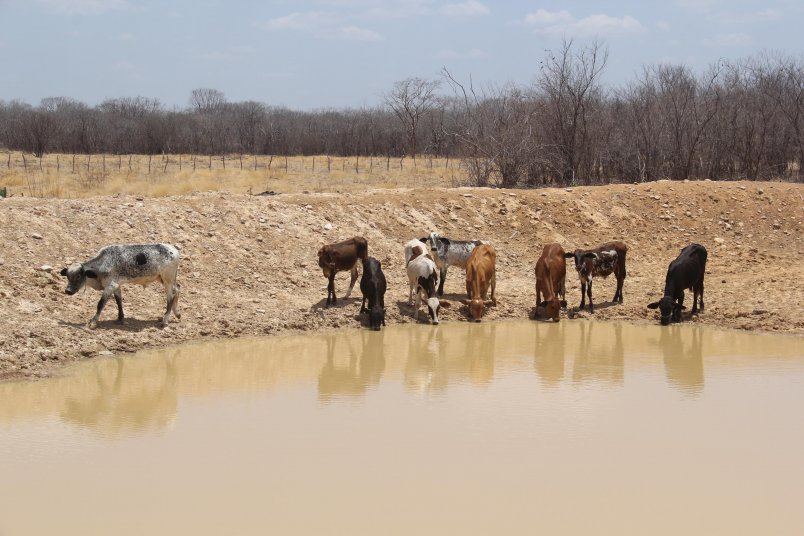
(117, 265)
(422, 276)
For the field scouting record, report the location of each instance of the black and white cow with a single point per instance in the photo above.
(422, 277)
(448, 253)
(116, 265)
(373, 286)
(600, 262)
(685, 272)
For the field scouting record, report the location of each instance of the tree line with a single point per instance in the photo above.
(740, 119)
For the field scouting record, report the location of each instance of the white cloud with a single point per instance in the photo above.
(770, 14)
(300, 21)
(564, 23)
(357, 34)
(663, 26)
(729, 40)
(543, 18)
(471, 54)
(465, 9)
(85, 7)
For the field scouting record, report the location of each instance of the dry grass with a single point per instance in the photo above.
(69, 176)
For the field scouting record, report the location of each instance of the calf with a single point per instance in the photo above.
(480, 275)
(136, 264)
(341, 257)
(448, 253)
(551, 271)
(422, 277)
(600, 262)
(685, 272)
(373, 285)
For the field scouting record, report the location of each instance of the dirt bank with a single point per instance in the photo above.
(250, 267)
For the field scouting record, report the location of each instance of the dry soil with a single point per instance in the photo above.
(249, 263)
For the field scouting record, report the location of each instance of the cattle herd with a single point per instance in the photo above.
(425, 260)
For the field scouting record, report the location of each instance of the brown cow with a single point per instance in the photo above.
(600, 262)
(551, 271)
(481, 273)
(341, 257)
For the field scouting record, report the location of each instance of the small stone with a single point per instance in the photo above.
(105, 352)
(36, 236)
(777, 225)
(327, 226)
(719, 240)
(45, 268)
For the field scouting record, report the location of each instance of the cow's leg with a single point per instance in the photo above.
(417, 305)
(108, 292)
(677, 310)
(382, 304)
(410, 294)
(331, 289)
(700, 293)
(618, 296)
(583, 295)
(443, 280)
(118, 298)
(172, 295)
(352, 282)
(538, 295)
(589, 291)
(175, 305)
(363, 304)
(493, 287)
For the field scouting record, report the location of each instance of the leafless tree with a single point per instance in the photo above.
(410, 99)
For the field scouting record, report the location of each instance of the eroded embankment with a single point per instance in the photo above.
(250, 264)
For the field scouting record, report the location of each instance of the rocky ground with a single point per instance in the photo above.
(249, 263)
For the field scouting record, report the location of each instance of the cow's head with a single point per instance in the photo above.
(550, 308)
(668, 309)
(438, 244)
(76, 277)
(476, 307)
(580, 256)
(376, 317)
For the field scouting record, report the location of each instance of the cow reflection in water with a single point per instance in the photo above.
(350, 375)
(130, 397)
(599, 362)
(683, 363)
(548, 360)
(436, 358)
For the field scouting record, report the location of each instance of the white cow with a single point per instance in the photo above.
(422, 276)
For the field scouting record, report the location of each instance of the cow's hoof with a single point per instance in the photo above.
(121, 321)
(92, 324)
(178, 315)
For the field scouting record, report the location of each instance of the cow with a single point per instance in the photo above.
(685, 272)
(422, 276)
(446, 253)
(116, 265)
(551, 271)
(481, 275)
(341, 257)
(600, 262)
(373, 285)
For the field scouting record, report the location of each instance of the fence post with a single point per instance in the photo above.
(24, 163)
(149, 164)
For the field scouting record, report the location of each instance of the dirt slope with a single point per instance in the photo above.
(250, 266)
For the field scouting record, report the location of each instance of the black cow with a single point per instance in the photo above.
(685, 272)
(372, 285)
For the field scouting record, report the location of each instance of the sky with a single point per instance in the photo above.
(313, 54)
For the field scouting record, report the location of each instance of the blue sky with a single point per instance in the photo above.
(309, 54)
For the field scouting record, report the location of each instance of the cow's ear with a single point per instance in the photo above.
(424, 240)
(91, 274)
(445, 240)
(63, 272)
(653, 305)
(569, 255)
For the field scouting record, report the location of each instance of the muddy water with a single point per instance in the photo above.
(506, 428)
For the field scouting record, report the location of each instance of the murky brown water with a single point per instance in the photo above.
(493, 428)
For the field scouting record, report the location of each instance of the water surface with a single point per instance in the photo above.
(491, 428)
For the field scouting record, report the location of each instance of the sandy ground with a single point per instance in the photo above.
(249, 263)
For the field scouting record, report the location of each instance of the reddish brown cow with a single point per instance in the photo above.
(551, 271)
(341, 257)
(481, 274)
